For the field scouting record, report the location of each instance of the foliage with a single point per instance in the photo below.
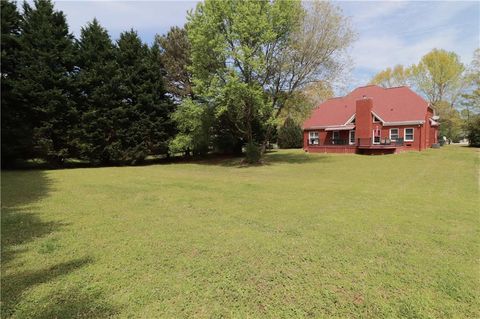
(246, 63)
(314, 53)
(270, 236)
(88, 99)
(45, 86)
(97, 93)
(450, 121)
(142, 124)
(16, 125)
(398, 76)
(230, 42)
(175, 52)
(250, 57)
(192, 122)
(451, 88)
(317, 92)
(253, 153)
(471, 98)
(438, 76)
(290, 135)
(473, 131)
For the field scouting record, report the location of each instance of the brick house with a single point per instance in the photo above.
(371, 120)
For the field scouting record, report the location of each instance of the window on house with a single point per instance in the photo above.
(394, 134)
(376, 136)
(408, 135)
(335, 137)
(351, 137)
(313, 138)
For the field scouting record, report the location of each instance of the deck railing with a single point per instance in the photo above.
(379, 142)
(362, 142)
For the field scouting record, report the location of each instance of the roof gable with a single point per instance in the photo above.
(399, 104)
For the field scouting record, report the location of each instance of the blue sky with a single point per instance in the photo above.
(389, 32)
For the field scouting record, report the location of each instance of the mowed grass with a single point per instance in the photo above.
(305, 235)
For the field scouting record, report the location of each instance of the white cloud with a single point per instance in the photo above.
(390, 32)
(393, 33)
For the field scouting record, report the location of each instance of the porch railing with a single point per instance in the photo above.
(338, 141)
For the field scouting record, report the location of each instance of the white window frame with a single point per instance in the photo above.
(398, 134)
(405, 134)
(350, 137)
(379, 137)
(313, 137)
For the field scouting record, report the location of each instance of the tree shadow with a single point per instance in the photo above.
(272, 157)
(20, 225)
(295, 158)
(70, 303)
(75, 303)
(19, 222)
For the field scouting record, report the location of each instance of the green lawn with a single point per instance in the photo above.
(304, 235)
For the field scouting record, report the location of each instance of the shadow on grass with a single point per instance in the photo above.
(270, 158)
(71, 302)
(20, 225)
(74, 303)
(19, 222)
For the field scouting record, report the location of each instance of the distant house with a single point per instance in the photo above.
(371, 120)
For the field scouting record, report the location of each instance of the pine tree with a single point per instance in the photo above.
(16, 128)
(45, 69)
(96, 93)
(141, 121)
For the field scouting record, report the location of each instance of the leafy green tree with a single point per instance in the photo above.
(250, 57)
(230, 43)
(471, 98)
(473, 131)
(398, 76)
(290, 135)
(451, 124)
(16, 124)
(97, 87)
(45, 69)
(439, 76)
(194, 124)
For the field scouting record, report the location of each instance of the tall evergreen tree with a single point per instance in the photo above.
(97, 86)
(16, 128)
(142, 119)
(45, 69)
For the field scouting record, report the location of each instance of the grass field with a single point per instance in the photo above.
(304, 235)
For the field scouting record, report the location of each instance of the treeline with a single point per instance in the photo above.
(225, 81)
(88, 98)
(451, 88)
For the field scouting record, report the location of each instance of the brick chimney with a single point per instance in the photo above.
(363, 118)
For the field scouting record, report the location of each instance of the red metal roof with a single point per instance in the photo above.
(391, 105)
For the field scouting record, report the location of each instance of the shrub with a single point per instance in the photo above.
(473, 133)
(253, 153)
(290, 135)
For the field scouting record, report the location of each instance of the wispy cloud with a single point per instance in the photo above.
(390, 32)
(147, 17)
(393, 33)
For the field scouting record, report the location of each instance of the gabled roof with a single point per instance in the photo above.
(398, 104)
